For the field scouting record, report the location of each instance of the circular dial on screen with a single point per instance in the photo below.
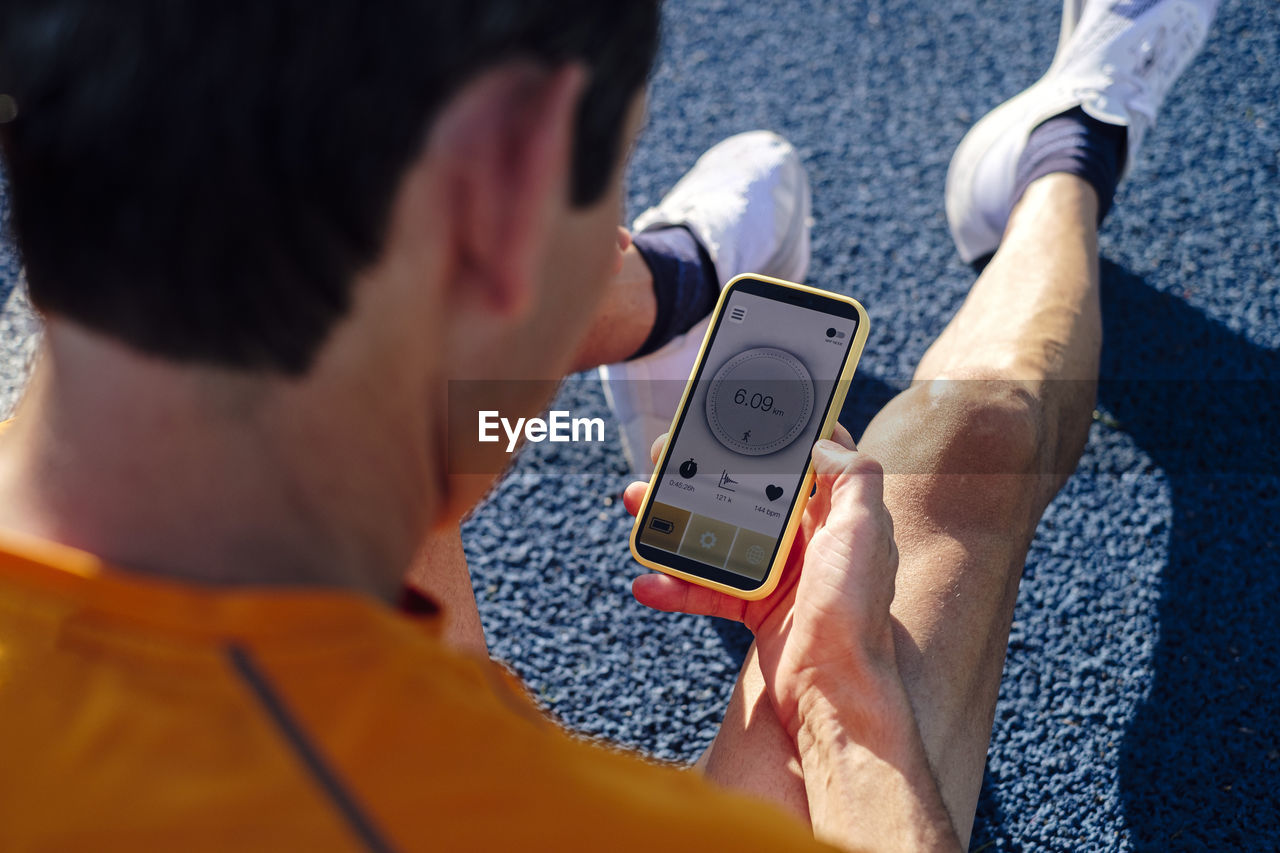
(760, 401)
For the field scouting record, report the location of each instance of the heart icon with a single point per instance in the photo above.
(773, 492)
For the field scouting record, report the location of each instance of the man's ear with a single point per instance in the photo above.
(505, 147)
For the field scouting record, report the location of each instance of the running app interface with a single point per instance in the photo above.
(738, 458)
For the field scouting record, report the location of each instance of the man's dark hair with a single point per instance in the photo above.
(204, 180)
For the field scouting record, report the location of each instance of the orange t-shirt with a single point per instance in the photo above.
(140, 714)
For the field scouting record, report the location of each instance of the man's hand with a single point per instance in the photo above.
(825, 640)
(840, 569)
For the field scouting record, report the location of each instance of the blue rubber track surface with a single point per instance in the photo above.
(1138, 706)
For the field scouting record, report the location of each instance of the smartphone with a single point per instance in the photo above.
(728, 493)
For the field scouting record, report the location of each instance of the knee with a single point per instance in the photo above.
(975, 423)
(974, 444)
(983, 424)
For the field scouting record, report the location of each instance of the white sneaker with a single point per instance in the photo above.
(1116, 60)
(747, 202)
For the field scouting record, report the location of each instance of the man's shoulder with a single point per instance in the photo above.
(331, 712)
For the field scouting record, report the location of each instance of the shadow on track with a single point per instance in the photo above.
(1199, 765)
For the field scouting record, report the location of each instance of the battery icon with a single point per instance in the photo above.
(661, 525)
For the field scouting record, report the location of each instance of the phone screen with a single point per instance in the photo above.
(741, 448)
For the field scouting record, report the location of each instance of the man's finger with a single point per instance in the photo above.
(842, 437)
(656, 451)
(672, 595)
(843, 468)
(633, 496)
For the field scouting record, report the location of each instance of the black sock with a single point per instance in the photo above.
(1078, 144)
(684, 282)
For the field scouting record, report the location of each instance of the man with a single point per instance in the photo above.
(265, 238)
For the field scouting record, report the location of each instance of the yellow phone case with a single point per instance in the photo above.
(828, 427)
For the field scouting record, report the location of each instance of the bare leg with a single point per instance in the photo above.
(991, 454)
(752, 752)
(974, 451)
(625, 318)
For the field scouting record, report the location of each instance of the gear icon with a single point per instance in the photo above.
(707, 540)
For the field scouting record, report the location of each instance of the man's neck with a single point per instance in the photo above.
(205, 476)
